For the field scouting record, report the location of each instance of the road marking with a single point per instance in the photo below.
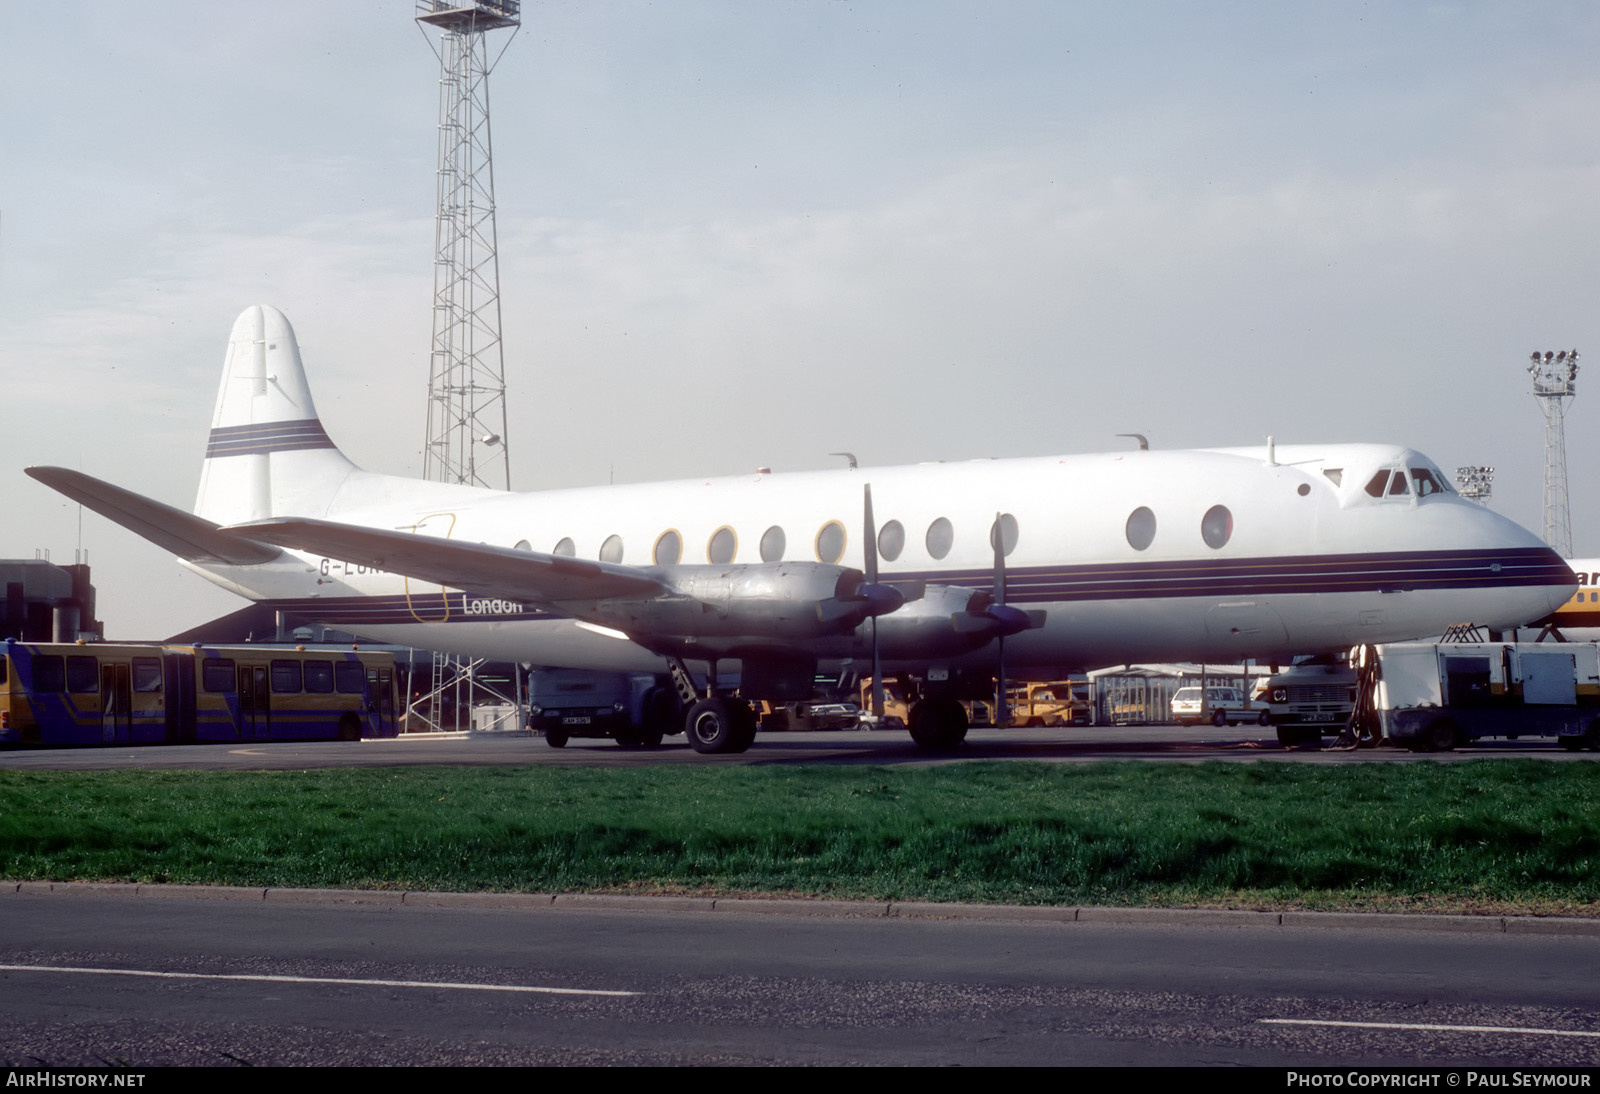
(263, 978)
(1430, 1027)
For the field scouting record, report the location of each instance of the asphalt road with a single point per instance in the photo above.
(172, 979)
(1062, 745)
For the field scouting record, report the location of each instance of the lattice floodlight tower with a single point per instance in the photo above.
(466, 440)
(466, 377)
(1555, 382)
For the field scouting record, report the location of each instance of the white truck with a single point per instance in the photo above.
(1309, 699)
(1435, 696)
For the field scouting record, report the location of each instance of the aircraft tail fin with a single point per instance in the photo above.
(268, 453)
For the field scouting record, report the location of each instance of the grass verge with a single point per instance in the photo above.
(1491, 836)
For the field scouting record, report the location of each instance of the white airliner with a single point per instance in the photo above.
(1215, 555)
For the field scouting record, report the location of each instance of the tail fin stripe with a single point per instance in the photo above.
(267, 437)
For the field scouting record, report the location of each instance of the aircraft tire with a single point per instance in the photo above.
(938, 723)
(746, 723)
(555, 738)
(712, 727)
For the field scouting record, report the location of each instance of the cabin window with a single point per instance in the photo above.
(1376, 484)
(286, 677)
(891, 540)
(940, 538)
(1216, 527)
(216, 674)
(772, 544)
(1008, 534)
(565, 547)
(611, 549)
(350, 677)
(83, 674)
(146, 674)
(319, 677)
(49, 674)
(1303, 489)
(830, 542)
(722, 545)
(1141, 528)
(668, 550)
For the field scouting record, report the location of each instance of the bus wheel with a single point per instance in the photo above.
(349, 728)
(555, 738)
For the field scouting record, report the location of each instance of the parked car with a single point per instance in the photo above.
(1223, 706)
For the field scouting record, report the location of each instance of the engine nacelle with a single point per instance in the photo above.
(782, 601)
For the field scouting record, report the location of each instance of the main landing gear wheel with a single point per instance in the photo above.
(938, 723)
(720, 725)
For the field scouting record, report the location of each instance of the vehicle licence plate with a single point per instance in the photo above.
(577, 720)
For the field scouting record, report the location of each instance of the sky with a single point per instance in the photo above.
(735, 235)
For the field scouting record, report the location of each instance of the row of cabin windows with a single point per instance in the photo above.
(829, 544)
(1216, 527)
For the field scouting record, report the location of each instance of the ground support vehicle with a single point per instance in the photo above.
(633, 709)
(1309, 699)
(1435, 696)
(110, 693)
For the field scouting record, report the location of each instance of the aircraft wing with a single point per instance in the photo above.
(184, 534)
(471, 567)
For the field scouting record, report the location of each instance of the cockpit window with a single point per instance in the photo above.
(1427, 483)
(1398, 485)
(1377, 484)
(1335, 474)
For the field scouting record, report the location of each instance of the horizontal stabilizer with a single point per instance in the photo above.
(471, 567)
(171, 529)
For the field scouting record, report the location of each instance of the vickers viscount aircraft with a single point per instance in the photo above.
(1032, 567)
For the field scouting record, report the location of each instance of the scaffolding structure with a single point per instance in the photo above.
(1555, 382)
(466, 429)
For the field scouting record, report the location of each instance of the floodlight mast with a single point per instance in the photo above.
(466, 438)
(1555, 383)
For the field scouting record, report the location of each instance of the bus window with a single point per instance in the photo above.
(351, 677)
(217, 674)
(83, 675)
(49, 674)
(146, 674)
(286, 677)
(319, 677)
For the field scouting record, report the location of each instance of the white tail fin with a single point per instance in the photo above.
(268, 454)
